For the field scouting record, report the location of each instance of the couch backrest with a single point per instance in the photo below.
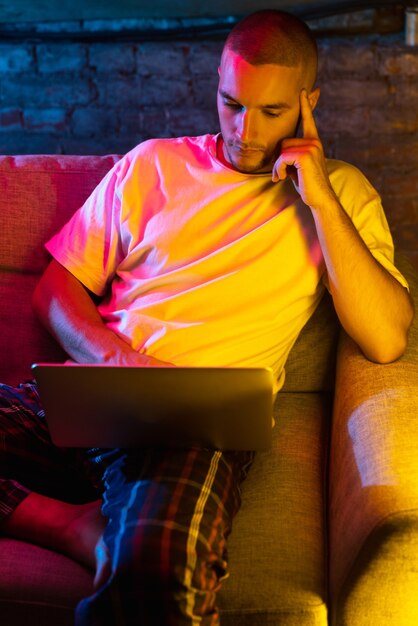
(38, 194)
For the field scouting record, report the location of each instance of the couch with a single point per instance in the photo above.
(328, 531)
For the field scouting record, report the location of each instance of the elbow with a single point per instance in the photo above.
(388, 351)
(392, 349)
(386, 356)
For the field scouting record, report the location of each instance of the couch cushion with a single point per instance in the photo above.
(37, 586)
(311, 362)
(38, 194)
(277, 553)
(23, 340)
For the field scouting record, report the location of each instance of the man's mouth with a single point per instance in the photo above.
(245, 150)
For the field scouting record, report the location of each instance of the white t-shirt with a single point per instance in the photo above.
(201, 265)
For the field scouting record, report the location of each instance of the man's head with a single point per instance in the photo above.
(268, 58)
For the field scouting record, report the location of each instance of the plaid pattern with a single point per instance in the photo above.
(28, 459)
(169, 515)
(165, 543)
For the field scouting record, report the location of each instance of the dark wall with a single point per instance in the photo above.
(97, 97)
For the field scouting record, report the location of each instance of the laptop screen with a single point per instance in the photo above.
(108, 406)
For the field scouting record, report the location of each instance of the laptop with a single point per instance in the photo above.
(107, 406)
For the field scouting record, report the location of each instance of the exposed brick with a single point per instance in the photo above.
(193, 121)
(357, 152)
(399, 61)
(405, 184)
(402, 209)
(405, 236)
(10, 119)
(346, 59)
(107, 144)
(59, 57)
(16, 58)
(322, 69)
(154, 59)
(155, 91)
(395, 121)
(347, 93)
(379, 150)
(332, 122)
(25, 142)
(130, 121)
(117, 58)
(329, 144)
(204, 91)
(45, 120)
(154, 123)
(374, 175)
(205, 58)
(118, 91)
(406, 93)
(45, 90)
(412, 257)
(94, 122)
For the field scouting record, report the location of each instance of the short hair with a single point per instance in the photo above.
(275, 37)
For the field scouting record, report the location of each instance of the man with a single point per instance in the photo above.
(211, 250)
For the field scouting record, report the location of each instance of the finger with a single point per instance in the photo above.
(295, 142)
(278, 173)
(279, 170)
(310, 130)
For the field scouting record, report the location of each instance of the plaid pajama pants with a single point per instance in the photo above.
(169, 514)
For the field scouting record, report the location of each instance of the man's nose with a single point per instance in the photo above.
(246, 128)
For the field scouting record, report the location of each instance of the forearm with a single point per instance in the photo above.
(373, 307)
(67, 310)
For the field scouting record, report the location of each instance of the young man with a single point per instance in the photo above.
(211, 250)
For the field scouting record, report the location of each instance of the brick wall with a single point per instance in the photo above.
(85, 98)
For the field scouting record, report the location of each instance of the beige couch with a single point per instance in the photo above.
(328, 532)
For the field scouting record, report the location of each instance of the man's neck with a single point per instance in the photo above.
(220, 152)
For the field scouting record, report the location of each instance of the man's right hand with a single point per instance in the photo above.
(130, 358)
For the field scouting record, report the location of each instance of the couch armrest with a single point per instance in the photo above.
(373, 478)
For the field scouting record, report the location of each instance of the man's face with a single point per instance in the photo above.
(258, 106)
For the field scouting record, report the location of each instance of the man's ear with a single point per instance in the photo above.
(313, 97)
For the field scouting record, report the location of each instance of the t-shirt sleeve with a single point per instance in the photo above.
(90, 245)
(362, 203)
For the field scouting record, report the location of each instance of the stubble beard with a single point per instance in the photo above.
(264, 165)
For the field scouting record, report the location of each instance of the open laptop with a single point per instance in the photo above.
(107, 406)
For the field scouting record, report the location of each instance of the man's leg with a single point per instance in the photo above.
(36, 478)
(169, 514)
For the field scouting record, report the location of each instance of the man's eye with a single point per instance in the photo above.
(232, 105)
(272, 113)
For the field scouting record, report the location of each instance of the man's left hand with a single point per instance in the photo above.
(303, 160)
